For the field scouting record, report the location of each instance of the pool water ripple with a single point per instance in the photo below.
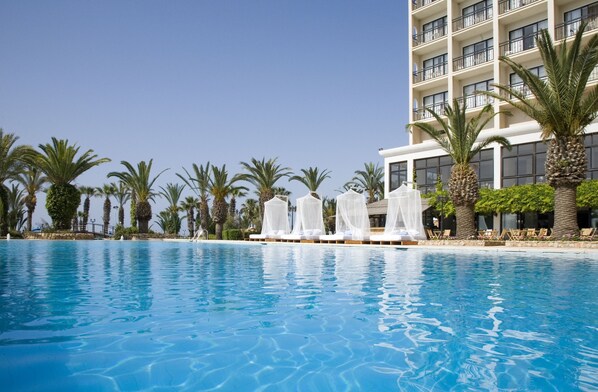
(111, 315)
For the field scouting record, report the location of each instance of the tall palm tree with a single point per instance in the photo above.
(232, 206)
(563, 109)
(458, 137)
(199, 182)
(172, 193)
(139, 180)
(221, 187)
(189, 205)
(133, 211)
(122, 195)
(264, 175)
(369, 180)
(15, 218)
(32, 180)
(250, 213)
(58, 161)
(312, 178)
(89, 192)
(12, 159)
(329, 212)
(106, 191)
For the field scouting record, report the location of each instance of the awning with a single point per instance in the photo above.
(380, 207)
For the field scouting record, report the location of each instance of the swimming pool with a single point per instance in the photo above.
(120, 315)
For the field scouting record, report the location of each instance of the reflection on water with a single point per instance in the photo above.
(126, 315)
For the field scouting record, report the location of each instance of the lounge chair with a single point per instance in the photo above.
(586, 234)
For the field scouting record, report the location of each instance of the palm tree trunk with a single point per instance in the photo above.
(144, 214)
(121, 216)
(565, 211)
(107, 209)
(85, 212)
(465, 216)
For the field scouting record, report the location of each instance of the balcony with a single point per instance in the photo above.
(473, 59)
(522, 88)
(518, 45)
(430, 35)
(472, 19)
(569, 29)
(423, 114)
(433, 72)
(505, 6)
(475, 100)
(421, 3)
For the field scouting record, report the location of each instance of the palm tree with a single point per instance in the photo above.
(232, 206)
(89, 192)
(264, 175)
(12, 159)
(189, 205)
(221, 187)
(59, 163)
(370, 180)
(199, 182)
(250, 213)
(138, 180)
(106, 191)
(15, 218)
(172, 193)
(563, 110)
(329, 212)
(312, 178)
(32, 180)
(458, 136)
(133, 211)
(122, 195)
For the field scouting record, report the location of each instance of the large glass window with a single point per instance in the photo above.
(428, 170)
(574, 18)
(517, 84)
(398, 174)
(435, 102)
(472, 99)
(477, 53)
(591, 142)
(524, 38)
(524, 164)
(477, 12)
(435, 29)
(435, 67)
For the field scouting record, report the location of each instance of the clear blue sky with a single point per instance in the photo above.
(314, 83)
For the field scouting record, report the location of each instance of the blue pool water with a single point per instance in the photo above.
(112, 315)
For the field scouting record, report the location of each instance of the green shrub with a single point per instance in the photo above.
(126, 232)
(232, 235)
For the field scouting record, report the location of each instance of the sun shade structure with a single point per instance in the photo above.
(352, 216)
(404, 214)
(276, 217)
(309, 221)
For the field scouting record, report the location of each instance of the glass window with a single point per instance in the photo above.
(524, 165)
(509, 167)
(398, 174)
(486, 170)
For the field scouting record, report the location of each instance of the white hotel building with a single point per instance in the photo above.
(454, 51)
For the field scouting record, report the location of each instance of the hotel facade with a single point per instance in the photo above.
(453, 51)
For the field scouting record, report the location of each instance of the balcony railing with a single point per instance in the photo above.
(475, 100)
(593, 75)
(522, 88)
(422, 114)
(570, 28)
(430, 35)
(428, 73)
(518, 45)
(510, 5)
(420, 3)
(473, 59)
(472, 18)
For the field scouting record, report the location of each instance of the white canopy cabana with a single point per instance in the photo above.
(309, 220)
(352, 221)
(276, 219)
(404, 214)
